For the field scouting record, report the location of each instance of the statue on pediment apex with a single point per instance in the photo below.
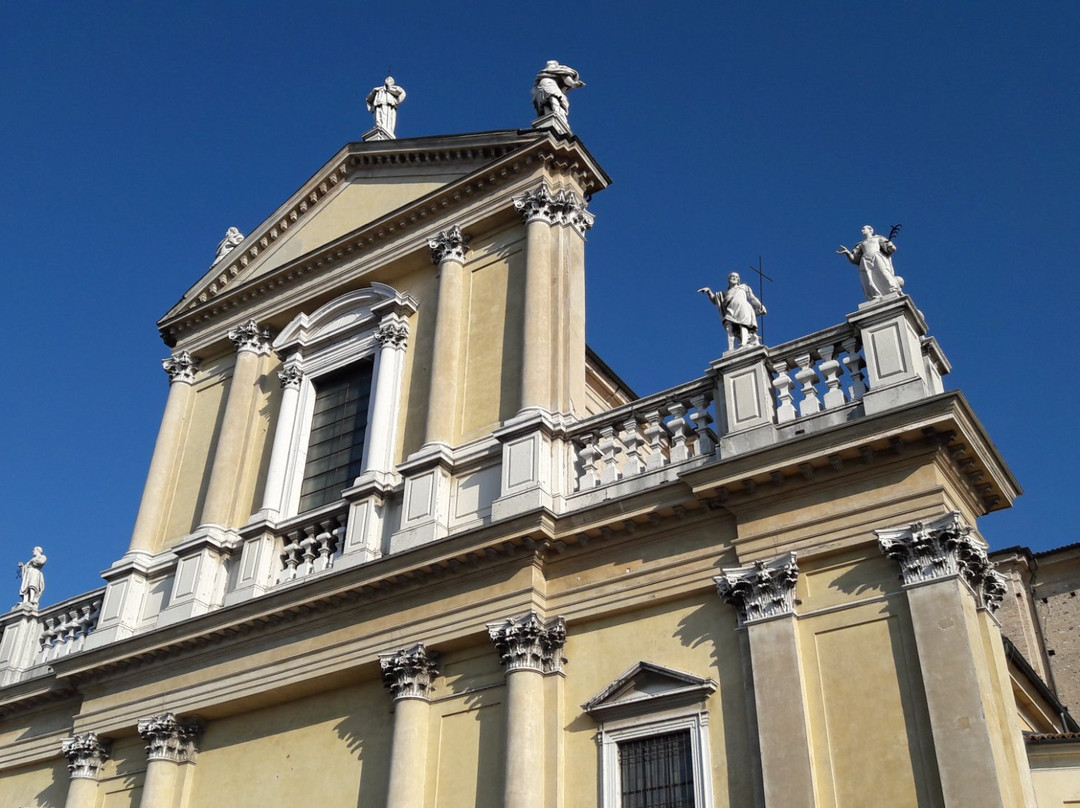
(739, 309)
(873, 257)
(383, 102)
(550, 89)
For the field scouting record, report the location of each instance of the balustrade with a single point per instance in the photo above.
(808, 374)
(312, 545)
(65, 627)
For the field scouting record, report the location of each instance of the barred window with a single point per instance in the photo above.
(657, 771)
(338, 430)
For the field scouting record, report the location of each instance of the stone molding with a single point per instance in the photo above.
(250, 336)
(562, 207)
(171, 738)
(944, 548)
(290, 376)
(86, 754)
(408, 672)
(529, 643)
(394, 335)
(760, 590)
(181, 367)
(449, 245)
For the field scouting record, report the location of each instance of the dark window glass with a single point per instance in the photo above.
(657, 772)
(338, 430)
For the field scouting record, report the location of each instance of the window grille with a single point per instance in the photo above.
(657, 772)
(338, 430)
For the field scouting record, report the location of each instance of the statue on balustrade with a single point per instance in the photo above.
(33, 580)
(739, 309)
(550, 89)
(873, 257)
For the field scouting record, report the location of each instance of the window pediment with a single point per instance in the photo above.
(337, 320)
(648, 688)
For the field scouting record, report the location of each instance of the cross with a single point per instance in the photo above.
(761, 296)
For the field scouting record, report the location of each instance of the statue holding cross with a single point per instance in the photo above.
(739, 309)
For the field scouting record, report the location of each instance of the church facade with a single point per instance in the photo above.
(406, 541)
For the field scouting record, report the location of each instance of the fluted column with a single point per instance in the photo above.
(952, 589)
(86, 754)
(541, 211)
(529, 649)
(274, 491)
(170, 742)
(408, 673)
(181, 368)
(252, 342)
(448, 253)
(763, 594)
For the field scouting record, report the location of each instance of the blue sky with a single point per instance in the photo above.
(135, 133)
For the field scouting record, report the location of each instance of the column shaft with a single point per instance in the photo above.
(235, 426)
(536, 348)
(82, 793)
(159, 784)
(445, 360)
(523, 786)
(274, 491)
(408, 754)
(382, 434)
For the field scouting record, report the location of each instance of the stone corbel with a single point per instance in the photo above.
(761, 590)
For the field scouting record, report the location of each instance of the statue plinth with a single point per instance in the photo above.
(556, 123)
(377, 133)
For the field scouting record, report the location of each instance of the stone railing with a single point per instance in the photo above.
(822, 371)
(653, 432)
(65, 627)
(312, 543)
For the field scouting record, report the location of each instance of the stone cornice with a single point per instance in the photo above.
(511, 153)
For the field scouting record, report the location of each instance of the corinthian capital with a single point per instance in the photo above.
(395, 335)
(181, 367)
(943, 548)
(762, 589)
(563, 207)
(290, 376)
(576, 214)
(86, 754)
(250, 336)
(449, 245)
(170, 738)
(529, 643)
(408, 672)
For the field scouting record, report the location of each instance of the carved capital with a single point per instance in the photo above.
(181, 367)
(943, 548)
(561, 207)
(291, 376)
(250, 336)
(449, 245)
(86, 754)
(529, 643)
(394, 335)
(408, 672)
(170, 738)
(760, 590)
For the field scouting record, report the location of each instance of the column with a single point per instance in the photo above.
(86, 754)
(392, 336)
(181, 368)
(274, 492)
(170, 742)
(572, 376)
(951, 587)
(529, 649)
(448, 253)
(763, 593)
(252, 342)
(541, 210)
(408, 673)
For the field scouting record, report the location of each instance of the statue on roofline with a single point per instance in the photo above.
(739, 309)
(232, 239)
(550, 89)
(33, 580)
(873, 257)
(383, 102)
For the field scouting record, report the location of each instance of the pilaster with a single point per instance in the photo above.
(763, 594)
(408, 673)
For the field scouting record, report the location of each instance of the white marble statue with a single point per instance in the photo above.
(232, 238)
(33, 580)
(383, 101)
(739, 309)
(550, 89)
(873, 256)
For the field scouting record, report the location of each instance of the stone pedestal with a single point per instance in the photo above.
(744, 400)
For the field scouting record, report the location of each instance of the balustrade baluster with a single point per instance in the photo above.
(855, 366)
(807, 377)
(308, 547)
(587, 455)
(785, 408)
(702, 418)
(680, 432)
(290, 556)
(609, 454)
(632, 442)
(830, 369)
(656, 440)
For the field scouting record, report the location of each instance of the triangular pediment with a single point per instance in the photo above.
(366, 185)
(648, 687)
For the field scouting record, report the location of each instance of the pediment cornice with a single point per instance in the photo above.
(508, 155)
